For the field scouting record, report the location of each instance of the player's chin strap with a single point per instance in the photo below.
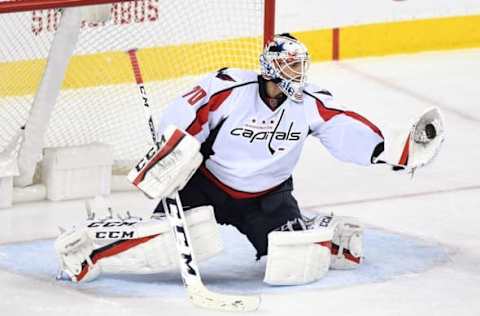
(415, 147)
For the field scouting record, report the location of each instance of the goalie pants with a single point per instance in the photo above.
(253, 217)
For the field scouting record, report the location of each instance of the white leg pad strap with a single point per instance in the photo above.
(298, 257)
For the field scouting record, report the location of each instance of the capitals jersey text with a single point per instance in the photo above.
(248, 147)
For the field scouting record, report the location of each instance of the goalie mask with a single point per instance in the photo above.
(285, 61)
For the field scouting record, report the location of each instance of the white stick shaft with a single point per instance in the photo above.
(143, 93)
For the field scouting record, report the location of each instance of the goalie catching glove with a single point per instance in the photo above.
(417, 146)
(168, 165)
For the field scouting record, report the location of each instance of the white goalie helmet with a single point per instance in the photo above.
(285, 61)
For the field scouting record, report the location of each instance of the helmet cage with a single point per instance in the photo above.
(285, 61)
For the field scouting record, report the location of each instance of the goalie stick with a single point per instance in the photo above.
(198, 294)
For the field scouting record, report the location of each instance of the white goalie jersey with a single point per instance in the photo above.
(248, 147)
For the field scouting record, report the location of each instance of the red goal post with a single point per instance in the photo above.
(97, 100)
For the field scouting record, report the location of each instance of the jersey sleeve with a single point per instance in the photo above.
(198, 110)
(347, 135)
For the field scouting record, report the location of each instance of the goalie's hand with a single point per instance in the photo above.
(167, 166)
(417, 146)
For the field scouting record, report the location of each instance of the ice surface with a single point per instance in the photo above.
(387, 255)
(435, 214)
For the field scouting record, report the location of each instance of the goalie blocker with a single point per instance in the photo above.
(168, 165)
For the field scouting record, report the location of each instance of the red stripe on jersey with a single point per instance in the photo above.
(404, 158)
(217, 100)
(202, 114)
(327, 114)
(239, 195)
(362, 119)
(348, 255)
(113, 250)
(200, 119)
(176, 137)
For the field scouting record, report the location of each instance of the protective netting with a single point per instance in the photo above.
(176, 42)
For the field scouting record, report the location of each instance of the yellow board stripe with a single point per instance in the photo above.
(158, 63)
(395, 38)
(169, 62)
(410, 36)
(20, 78)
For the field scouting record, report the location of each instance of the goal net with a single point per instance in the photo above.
(98, 100)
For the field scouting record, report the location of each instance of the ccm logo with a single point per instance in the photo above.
(114, 235)
(150, 154)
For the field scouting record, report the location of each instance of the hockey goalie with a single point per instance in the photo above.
(228, 147)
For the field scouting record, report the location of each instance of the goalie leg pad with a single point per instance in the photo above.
(159, 254)
(133, 247)
(298, 257)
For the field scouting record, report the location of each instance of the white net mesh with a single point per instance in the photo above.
(176, 42)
